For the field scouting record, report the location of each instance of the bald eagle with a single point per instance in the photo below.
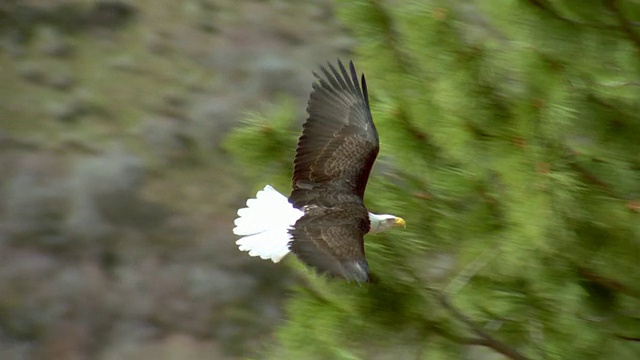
(324, 220)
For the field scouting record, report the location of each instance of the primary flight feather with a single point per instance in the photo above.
(324, 220)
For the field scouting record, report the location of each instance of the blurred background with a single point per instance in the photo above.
(117, 198)
(132, 131)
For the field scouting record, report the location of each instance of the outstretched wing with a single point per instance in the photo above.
(334, 157)
(339, 141)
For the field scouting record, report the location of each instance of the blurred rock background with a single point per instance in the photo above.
(116, 198)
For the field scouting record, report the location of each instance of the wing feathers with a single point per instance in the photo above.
(335, 153)
(364, 91)
(331, 240)
(354, 78)
(339, 142)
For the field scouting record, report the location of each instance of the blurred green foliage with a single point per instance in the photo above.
(265, 144)
(510, 142)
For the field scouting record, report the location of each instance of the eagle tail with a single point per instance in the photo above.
(264, 225)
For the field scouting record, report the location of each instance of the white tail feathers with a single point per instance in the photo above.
(264, 225)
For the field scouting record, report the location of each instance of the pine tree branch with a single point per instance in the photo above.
(392, 42)
(608, 283)
(594, 180)
(547, 7)
(390, 34)
(626, 25)
(484, 339)
(628, 338)
(462, 278)
(462, 340)
(607, 188)
(618, 84)
(605, 103)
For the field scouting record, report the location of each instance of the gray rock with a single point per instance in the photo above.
(173, 346)
(61, 80)
(12, 45)
(110, 13)
(276, 74)
(166, 138)
(28, 296)
(125, 63)
(69, 110)
(16, 350)
(212, 119)
(49, 41)
(33, 200)
(84, 223)
(41, 73)
(105, 192)
(218, 287)
(32, 72)
(65, 339)
(158, 43)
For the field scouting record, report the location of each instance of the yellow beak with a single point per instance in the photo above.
(400, 222)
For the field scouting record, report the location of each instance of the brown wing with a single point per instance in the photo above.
(339, 141)
(330, 239)
(335, 153)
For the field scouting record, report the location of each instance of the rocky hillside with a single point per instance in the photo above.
(116, 199)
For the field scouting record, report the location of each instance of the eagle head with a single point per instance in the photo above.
(380, 223)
